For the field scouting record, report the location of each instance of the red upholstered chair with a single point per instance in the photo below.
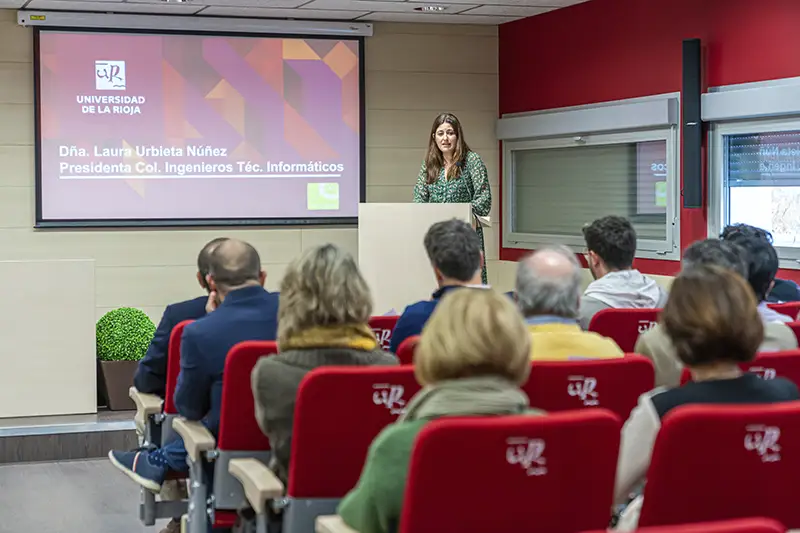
(552, 474)
(795, 328)
(768, 365)
(239, 436)
(624, 325)
(157, 416)
(328, 451)
(614, 384)
(741, 525)
(383, 326)
(717, 462)
(405, 352)
(791, 309)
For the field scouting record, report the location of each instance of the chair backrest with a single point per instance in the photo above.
(238, 428)
(383, 326)
(716, 462)
(624, 325)
(795, 326)
(791, 309)
(339, 412)
(614, 384)
(551, 473)
(173, 366)
(741, 525)
(405, 352)
(768, 365)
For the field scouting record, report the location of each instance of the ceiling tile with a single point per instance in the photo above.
(381, 6)
(523, 3)
(257, 12)
(509, 11)
(113, 7)
(435, 18)
(12, 4)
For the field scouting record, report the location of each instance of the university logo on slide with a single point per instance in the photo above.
(109, 75)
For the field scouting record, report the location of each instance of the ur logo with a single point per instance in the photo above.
(109, 75)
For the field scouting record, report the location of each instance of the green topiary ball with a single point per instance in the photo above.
(124, 334)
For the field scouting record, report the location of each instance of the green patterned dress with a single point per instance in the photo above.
(471, 186)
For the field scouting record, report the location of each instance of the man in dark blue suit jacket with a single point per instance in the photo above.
(151, 376)
(454, 250)
(244, 311)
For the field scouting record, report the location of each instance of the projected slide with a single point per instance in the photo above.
(651, 178)
(150, 127)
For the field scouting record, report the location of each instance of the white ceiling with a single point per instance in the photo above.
(455, 11)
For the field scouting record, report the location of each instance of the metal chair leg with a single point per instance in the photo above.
(197, 520)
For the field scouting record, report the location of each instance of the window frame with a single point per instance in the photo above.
(717, 198)
(667, 249)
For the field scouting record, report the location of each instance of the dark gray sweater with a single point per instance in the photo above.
(275, 381)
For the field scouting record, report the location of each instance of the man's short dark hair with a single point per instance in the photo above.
(719, 253)
(454, 249)
(234, 263)
(613, 239)
(204, 259)
(762, 259)
(735, 231)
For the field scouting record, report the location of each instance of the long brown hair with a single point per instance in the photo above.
(434, 160)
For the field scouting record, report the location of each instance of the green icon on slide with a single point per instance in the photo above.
(661, 194)
(323, 196)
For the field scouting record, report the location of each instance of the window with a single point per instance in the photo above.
(755, 179)
(559, 185)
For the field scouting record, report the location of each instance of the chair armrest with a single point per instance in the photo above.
(196, 437)
(332, 524)
(146, 404)
(259, 482)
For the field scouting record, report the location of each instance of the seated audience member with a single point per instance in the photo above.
(713, 322)
(548, 293)
(783, 290)
(611, 245)
(472, 358)
(151, 375)
(323, 319)
(454, 250)
(656, 344)
(243, 311)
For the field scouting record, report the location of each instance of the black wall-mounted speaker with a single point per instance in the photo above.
(691, 124)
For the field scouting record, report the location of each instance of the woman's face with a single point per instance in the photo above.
(445, 137)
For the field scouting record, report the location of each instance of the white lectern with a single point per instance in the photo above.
(391, 253)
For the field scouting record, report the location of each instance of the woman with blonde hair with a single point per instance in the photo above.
(472, 358)
(324, 310)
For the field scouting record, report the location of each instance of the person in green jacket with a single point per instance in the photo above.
(472, 357)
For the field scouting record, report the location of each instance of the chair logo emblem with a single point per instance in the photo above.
(763, 372)
(390, 396)
(528, 453)
(764, 441)
(384, 336)
(646, 325)
(584, 388)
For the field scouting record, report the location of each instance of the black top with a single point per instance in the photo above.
(746, 389)
(151, 376)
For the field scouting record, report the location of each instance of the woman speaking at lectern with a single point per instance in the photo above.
(454, 174)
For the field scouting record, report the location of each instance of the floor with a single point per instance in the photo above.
(88, 496)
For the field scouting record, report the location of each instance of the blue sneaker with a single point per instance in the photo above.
(147, 468)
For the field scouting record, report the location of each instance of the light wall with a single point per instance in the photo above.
(414, 71)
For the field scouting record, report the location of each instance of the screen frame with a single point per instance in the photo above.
(41, 223)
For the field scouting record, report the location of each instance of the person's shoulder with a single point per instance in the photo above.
(395, 437)
(380, 358)
(187, 309)
(601, 346)
(473, 158)
(778, 336)
(783, 388)
(422, 307)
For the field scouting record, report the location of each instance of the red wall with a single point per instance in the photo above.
(604, 50)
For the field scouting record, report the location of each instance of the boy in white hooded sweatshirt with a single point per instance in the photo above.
(611, 245)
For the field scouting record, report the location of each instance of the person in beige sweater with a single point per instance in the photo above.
(324, 309)
(755, 264)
